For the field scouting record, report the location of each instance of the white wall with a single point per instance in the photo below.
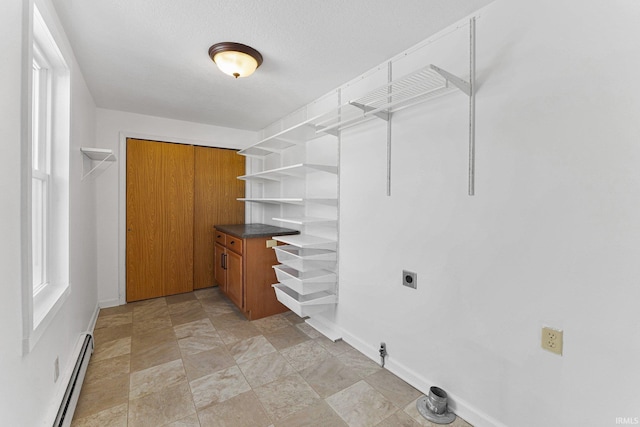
(28, 394)
(112, 129)
(550, 238)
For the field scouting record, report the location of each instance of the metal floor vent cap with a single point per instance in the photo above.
(434, 407)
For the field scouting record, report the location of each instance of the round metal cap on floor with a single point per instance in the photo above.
(446, 418)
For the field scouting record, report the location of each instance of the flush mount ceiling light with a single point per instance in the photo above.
(235, 59)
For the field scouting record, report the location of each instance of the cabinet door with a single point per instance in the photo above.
(234, 278)
(220, 272)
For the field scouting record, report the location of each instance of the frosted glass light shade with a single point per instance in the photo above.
(235, 59)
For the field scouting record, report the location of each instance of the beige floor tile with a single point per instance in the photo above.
(103, 335)
(243, 410)
(188, 316)
(360, 405)
(272, 323)
(113, 348)
(101, 395)
(359, 363)
(157, 361)
(107, 369)
(195, 328)
(329, 376)
(286, 337)
(207, 293)
(111, 417)
(207, 362)
(145, 325)
(154, 355)
(400, 419)
(189, 421)
(239, 332)
(184, 306)
(393, 388)
(304, 355)
(309, 330)
(251, 348)
(218, 387)
(142, 340)
(163, 407)
(112, 320)
(125, 308)
(156, 378)
(286, 396)
(196, 344)
(175, 299)
(228, 320)
(263, 370)
(319, 414)
(333, 347)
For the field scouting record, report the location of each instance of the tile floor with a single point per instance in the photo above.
(194, 360)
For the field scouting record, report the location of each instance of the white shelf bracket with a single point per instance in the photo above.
(95, 155)
(384, 115)
(458, 82)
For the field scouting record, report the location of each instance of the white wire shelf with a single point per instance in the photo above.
(298, 170)
(305, 260)
(420, 86)
(304, 305)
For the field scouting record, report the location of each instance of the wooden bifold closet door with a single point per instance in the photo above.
(159, 250)
(176, 193)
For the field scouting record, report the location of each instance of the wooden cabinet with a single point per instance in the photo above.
(243, 271)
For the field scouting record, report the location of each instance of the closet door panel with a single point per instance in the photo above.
(178, 184)
(216, 191)
(144, 246)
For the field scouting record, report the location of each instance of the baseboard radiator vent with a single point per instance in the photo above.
(70, 399)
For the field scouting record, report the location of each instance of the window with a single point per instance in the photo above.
(40, 147)
(48, 284)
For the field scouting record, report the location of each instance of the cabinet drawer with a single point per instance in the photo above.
(221, 237)
(234, 244)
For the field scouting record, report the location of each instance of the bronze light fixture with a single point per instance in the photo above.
(235, 59)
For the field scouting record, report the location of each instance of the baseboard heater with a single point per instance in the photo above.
(70, 399)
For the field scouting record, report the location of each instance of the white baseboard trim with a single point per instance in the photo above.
(326, 328)
(109, 303)
(459, 406)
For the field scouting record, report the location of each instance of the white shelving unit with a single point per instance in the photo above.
(99, 155)
(307, 276)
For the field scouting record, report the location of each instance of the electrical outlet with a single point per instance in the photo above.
(56, 370)
(552, 340)
(410, 279)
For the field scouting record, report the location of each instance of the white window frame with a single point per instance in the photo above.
(46, 280)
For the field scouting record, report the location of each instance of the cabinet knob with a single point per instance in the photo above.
(233, 243)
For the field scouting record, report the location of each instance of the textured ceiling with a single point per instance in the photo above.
(150, 56)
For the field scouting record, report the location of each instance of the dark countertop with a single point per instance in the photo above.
(247, 231)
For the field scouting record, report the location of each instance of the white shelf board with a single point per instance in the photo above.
(304, 220)
(99, 154)
(297, 170)
(304, 305)
(308, 241)
(288, 200)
